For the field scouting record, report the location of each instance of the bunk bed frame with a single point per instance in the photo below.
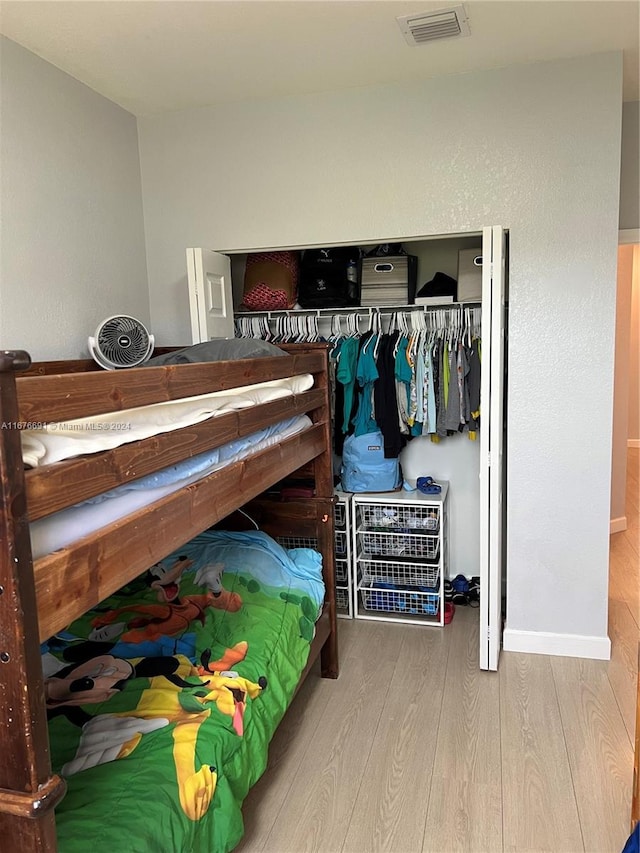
(40, 597)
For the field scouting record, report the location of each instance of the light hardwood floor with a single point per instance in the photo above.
(414, 750)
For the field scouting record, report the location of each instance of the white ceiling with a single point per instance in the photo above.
(162, 55)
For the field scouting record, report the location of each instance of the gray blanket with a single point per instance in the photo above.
(218, 350)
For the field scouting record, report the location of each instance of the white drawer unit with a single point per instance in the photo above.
(344, 574)
(399, 542)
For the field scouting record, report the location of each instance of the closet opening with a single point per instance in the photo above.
(473, 520)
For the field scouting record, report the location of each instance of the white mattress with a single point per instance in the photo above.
(55, 442)
(67, 526)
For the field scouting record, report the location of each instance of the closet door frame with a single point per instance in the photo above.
(492, 428)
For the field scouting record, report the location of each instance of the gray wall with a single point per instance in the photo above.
(533, 148)
(72, 241)
(630, 168)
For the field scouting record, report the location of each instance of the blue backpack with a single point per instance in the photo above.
(364, 467)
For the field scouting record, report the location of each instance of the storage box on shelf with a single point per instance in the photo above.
(344, 592)
(388, 280)
(400, 556)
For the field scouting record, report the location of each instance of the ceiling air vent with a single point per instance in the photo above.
(429, 26)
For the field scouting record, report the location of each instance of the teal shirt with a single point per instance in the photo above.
(346, 375)
(366, 374)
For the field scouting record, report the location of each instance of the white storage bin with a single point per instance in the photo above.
(470, 275)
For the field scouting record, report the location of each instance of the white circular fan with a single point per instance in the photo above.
(121, 341)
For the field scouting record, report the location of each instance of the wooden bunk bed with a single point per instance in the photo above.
(40, 597)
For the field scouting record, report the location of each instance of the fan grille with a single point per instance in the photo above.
(123, 340)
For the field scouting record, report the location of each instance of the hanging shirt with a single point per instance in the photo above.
(366, 375)
(463, 368)
(473, 382)
(338, 399)
(430, 408)
(413, 391)
(452, 415)
(346, 375)
(386, 402)
(418, 425)
(403, 384)
(420, 383)
(442, 356)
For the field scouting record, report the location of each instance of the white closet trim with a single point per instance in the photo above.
(628, 235)
(565, 645)
(618, 525)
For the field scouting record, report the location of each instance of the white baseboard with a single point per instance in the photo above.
(564, 645)
(617, 525)
(633, 442)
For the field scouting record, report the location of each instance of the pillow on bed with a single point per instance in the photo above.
(218, 350)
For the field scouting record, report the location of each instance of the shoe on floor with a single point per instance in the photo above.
(473, 595)
(460, 587)
(448, 591)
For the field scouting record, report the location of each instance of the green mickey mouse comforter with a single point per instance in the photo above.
(162, 701)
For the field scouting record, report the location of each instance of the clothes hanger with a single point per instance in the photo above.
(371, 329)
(266, 328)
(279, 338)
(333, 332)
(292, 328)
(376, 345)
(295, 328)
(310, 335)
(315, 331)
(396, 346)
(403, 330)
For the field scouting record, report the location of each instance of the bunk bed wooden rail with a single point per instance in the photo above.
(38, 598)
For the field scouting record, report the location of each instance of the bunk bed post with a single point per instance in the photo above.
(326, 545)
(323, 464)
(28, 791)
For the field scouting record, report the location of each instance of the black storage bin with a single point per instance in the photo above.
(328, 278)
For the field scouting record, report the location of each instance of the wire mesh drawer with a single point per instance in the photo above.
(297, 542)
(400, 574)
(341, 543)
(417, 546)
(342, 571)
(342, 598)
(398, 519)
(340, 515)
(389, 598)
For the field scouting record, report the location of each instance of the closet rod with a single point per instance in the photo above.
(363, 310)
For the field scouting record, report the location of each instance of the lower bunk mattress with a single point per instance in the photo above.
(162, 701)
(67, 526)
